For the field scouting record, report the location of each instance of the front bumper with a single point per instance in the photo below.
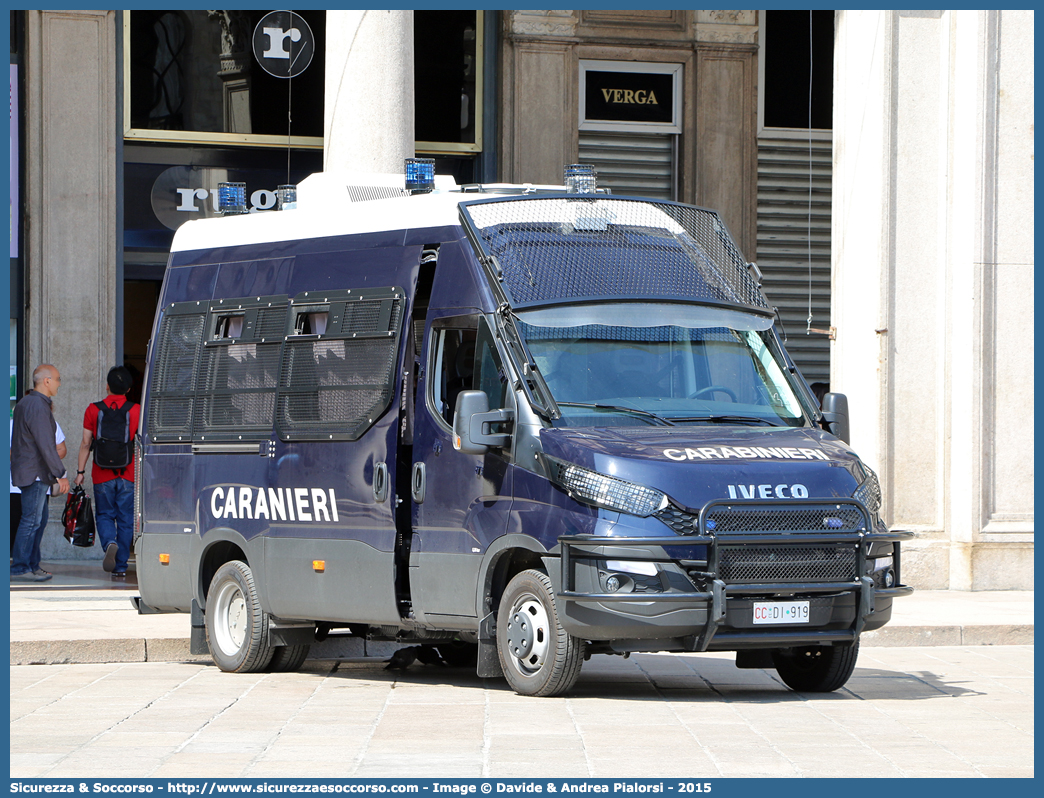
(708, 605)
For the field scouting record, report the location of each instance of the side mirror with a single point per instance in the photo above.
(472, 422)
(835, 415)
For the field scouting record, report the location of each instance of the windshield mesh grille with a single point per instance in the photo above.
(560, 248)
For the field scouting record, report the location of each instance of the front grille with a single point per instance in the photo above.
(680, 520)
(726, 519)
(753, 564)
(734, 519)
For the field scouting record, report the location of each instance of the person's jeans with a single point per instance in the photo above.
(114, 513)
(26, 554)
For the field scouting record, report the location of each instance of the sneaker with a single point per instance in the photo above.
(119, 576)
(109, 563)
(42, 575)
(28, 576)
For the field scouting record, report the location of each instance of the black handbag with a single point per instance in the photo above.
(78, 518)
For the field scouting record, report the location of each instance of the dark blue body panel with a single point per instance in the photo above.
(189, 493)
(671, 460)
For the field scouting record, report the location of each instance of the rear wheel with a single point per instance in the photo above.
(288, 658)
(816, 669)
(538, 656)
(237, 627)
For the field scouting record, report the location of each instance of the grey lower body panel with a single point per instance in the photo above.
(166, 587)
(356, 584)
(443, 584)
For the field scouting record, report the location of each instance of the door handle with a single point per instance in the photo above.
(380, 482)
(417, 483)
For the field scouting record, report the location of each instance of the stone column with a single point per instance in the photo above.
(539, 96)
(727, 120)
(369, 125)
(70, 198)
(932, 281)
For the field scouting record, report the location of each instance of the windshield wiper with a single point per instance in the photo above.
(733, 420)
(620, 409)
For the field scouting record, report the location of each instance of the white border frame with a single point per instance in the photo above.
(676, 71)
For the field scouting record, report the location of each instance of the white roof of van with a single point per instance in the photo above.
(340, 203)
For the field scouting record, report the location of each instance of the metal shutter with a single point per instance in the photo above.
(783, 243)
(631, 164)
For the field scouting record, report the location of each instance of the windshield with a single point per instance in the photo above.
(660, 364)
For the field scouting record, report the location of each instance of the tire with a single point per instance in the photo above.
(816, 669)
(286, 659)
(538, 656)
(237, 627)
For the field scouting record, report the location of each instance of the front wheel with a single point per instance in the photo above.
(816, 669)
(237, 627)
(538, 656)
(286, 659)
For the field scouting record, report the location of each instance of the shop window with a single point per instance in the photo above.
(448, 54)
(796, 44)
(192, 76)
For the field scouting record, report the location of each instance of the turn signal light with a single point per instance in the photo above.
(318, 566)
(164, 559)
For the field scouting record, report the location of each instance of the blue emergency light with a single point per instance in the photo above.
(287, 196)
(580, 178)
(232, 198)
(420, 175)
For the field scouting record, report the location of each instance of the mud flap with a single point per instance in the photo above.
(488, 659)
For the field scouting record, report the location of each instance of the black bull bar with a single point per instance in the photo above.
(861, 585)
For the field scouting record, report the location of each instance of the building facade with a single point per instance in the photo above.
(877, 165)
(933, 281)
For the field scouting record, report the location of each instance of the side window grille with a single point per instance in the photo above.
(271, 322)
(174, 372)
(239, 370)
(334, 385)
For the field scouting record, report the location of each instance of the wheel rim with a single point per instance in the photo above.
(231, 619)
(528, 635)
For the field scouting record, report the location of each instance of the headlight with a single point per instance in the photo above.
(869, 491)
(882, 570)
(600, 490)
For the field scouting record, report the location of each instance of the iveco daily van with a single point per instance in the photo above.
(534, 423)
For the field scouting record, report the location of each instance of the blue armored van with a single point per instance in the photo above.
(524, 425)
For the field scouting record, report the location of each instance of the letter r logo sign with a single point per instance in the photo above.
(276, 41)
(283, 44)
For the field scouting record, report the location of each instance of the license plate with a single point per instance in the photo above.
(780, 612)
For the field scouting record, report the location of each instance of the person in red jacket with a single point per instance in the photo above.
(113, 487)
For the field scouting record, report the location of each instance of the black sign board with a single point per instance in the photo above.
(629, 97)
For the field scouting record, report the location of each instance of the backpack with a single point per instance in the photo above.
(113, 442)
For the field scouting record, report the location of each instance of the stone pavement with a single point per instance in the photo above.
(928, 711)
(81, 616)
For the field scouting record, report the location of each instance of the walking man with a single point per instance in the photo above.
(35, 467)
(109, 427)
